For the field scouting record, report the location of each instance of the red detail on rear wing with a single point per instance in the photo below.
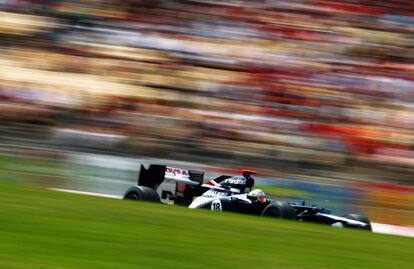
(213, 183)
(248, 171)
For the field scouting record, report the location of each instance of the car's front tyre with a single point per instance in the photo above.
(279, 210)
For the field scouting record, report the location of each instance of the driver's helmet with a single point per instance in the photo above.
(257, 195)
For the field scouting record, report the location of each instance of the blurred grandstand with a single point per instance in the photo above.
(306, 87)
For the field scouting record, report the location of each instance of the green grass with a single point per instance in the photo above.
(44, 229)
(282, 192)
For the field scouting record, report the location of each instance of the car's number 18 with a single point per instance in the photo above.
(216, 205)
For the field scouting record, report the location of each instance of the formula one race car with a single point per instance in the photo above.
(160, 183)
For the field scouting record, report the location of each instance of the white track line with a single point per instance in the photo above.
(88, 193)
(392, 229)
(376, 227)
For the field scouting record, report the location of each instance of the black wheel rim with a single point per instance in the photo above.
(271, 213)
(132, 196)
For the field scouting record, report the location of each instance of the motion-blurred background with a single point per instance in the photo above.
(317, 95)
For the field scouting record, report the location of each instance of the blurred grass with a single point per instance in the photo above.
(29, 165)
(55, 172)
(44, 229)
(35, 171)
(276, 191)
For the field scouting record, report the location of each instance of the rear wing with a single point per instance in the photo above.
(155, 174)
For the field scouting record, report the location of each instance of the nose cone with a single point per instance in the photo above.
(200, 202)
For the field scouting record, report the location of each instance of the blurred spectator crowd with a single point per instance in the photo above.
(316, 81)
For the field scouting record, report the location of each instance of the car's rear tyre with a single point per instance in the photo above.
(141, 193)
(360, 218)
(279, 210)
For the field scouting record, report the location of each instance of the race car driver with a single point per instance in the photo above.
(257, 195)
